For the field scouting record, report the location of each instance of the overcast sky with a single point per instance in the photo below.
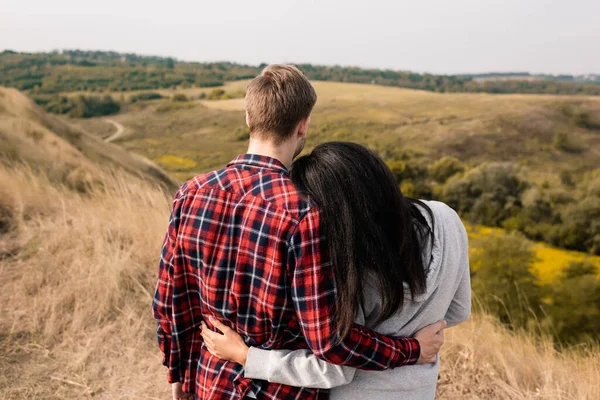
(438, 36)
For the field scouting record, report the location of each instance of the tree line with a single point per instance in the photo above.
(100, 71)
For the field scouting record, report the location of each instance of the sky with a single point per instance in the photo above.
(436, 36)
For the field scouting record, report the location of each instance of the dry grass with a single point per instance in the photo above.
(30, 135)
(77, 272)
(482, 360)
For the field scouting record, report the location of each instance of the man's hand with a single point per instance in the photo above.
(179, 394)
(431, 339)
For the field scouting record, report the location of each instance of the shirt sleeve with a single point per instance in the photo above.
(300, 368)
(176, 333)
(460, 307)
(314, 297)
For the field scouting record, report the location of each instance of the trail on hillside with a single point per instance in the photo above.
(118, 133)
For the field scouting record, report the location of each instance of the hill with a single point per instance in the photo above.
(525, 163)
(472, 127)
(522, 162)
(29, 135)
(77, 285)
(98, 71)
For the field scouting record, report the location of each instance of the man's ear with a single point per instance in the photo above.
(303, 127)
(247, 120)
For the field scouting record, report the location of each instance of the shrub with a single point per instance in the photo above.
(444, 168)
(580, 229)
(80, 106)
(403, 171)
(575, 308)
(416, 189)
(87, 107)
(566, 178)
(488, 194)
(179, 97)
(562, 142)
(146, 96)
(218, 94)
(502, 278)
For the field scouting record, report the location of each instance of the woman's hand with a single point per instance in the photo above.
(179, 394)
(228, 346)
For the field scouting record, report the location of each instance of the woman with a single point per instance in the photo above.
(399, 265)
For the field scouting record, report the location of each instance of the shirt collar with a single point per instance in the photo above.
(256, 160)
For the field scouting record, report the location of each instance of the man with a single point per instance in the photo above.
(244, 247)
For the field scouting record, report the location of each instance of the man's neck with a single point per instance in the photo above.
(264, 148)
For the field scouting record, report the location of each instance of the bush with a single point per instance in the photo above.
(80, 106)
(416, 189)
(562, 142)
(575, 308)
(146, 96)
(502, 278)
(87, 107)
(537, 218)
(179, 97)
(566, 178)
(218, 94)
(487, 194)
(403, 171)
(444, 168)
(580, 229)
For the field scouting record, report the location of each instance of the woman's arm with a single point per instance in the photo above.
(300, 368)
(295, 368)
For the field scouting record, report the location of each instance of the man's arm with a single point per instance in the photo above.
(299, 368)
(174, 328)
(314, 297)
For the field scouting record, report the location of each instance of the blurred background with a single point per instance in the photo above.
(105, 109)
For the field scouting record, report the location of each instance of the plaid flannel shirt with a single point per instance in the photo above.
(245, 247)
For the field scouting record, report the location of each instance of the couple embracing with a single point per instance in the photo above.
(306, 279)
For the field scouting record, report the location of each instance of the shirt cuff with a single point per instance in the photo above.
(411, 353)
(174, 376)
(257, 364)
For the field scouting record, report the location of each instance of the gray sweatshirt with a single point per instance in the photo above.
(448, 296)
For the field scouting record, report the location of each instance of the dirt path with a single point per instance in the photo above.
(118, 133)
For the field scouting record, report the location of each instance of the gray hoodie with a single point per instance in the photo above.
(448, 296)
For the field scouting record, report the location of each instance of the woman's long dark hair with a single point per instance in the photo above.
(370, 226)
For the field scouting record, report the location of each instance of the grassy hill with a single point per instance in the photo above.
(547, 146)
(29, 135)
(471, 127)
(80, 233)
(77, 272)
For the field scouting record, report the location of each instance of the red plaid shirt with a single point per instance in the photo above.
(245, 247)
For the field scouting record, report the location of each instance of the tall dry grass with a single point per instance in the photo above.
(77, 272)
(76, 276)
(483, 360)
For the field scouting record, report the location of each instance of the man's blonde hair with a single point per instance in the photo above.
(277, 100)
